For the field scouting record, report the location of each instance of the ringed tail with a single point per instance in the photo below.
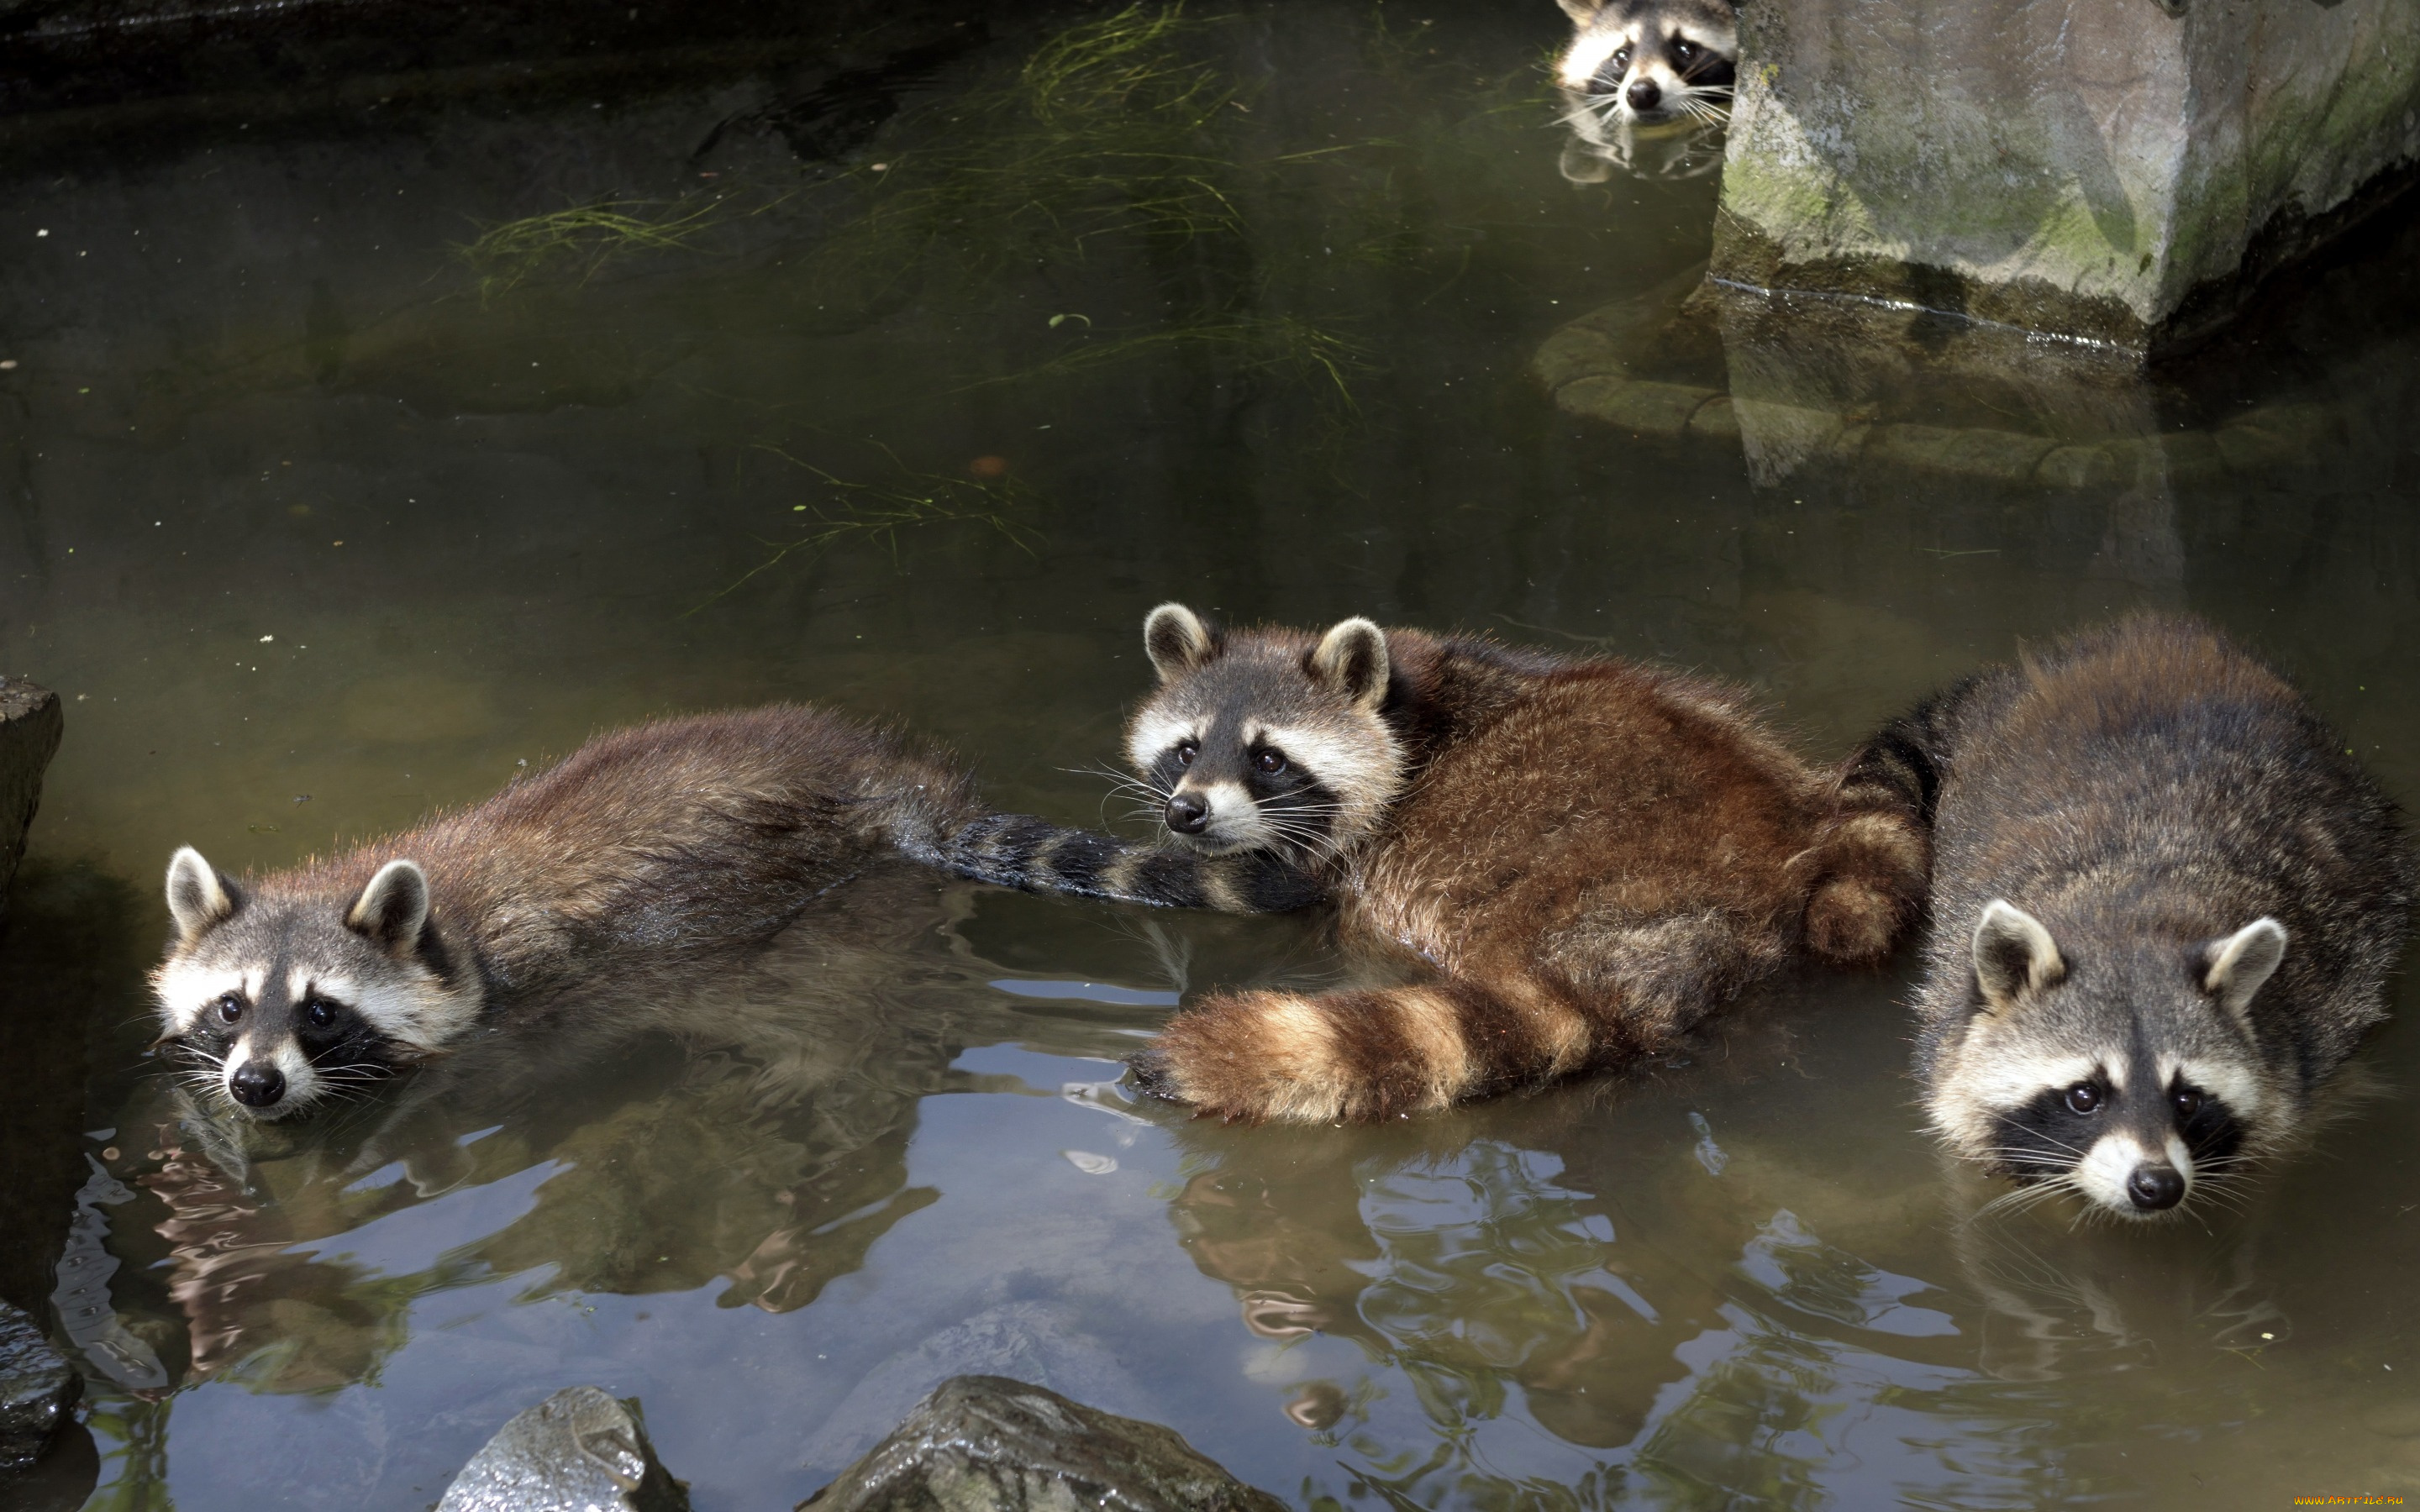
(1279, 1056)
(1037, 855)
(1871, 865)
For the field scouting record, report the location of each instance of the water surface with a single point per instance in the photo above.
(939, 373)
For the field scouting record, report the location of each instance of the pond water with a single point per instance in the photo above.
(338, 487)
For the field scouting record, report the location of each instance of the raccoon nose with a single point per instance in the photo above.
(257, 1085)
(1644, 95)
(2155, 1187)
(1187, 814)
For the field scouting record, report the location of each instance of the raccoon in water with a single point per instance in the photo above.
(669, 838)
(1647, 88)
(2165, 901)
(1589, 855)
(1646, 62)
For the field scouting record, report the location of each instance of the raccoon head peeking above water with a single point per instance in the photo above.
(2126, 1075)
(1283, 749)
(290, 998)
(1645, 62)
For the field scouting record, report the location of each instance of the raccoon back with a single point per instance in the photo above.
(2153, 779)
(675, 833)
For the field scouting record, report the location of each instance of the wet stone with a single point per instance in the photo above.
(38, 1390)
(580, 1449)
(983, 1444)
(29, 734)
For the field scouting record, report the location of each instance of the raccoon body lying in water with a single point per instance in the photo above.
(2165, 902)
(1590, 854)
(678, 836)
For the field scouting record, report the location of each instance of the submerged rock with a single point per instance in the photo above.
(580, 1449)
(983, 1444)
(29, 734)
(38, 1390)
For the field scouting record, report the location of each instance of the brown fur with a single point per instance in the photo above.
(1591, 853)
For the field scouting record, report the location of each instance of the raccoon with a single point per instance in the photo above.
(1648, 62)
(2165, 901)
(658, 841)
(1586, 855)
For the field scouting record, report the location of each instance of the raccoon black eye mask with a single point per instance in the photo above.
(2165, 902)
(681, 835)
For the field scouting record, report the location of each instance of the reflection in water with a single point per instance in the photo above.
(1601, 144)
(1744, 1279)
(744, 1121)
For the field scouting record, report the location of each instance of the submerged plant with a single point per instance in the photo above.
(586, 238)
(884, 515)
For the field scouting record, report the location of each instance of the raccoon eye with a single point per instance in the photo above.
(2083, 1097)
(1270, 762)
(231, 1006)
(1186, 751)
(320, 1012)
(1622, 59)
(1685, 49)
(2188, 1100)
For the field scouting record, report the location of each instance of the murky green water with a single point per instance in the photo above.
(317, 524)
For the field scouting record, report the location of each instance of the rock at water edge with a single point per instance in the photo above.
(29, 734)
(578, 1449)
(38, 1390)
(982, 1444)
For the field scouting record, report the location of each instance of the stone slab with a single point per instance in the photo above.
(30, 724)
(2119, 171)
(984, 1443)
(38, 1391)
(581, 1450)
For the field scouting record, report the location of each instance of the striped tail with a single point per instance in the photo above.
(1372, 1052)
(1870, 867)
(1037, 855)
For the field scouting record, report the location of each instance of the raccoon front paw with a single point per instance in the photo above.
(1148, 1073)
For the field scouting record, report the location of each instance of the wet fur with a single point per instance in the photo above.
(2146, 792)
(1589, 854)
(647, 843)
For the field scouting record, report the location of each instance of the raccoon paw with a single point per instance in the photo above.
(1149, 1073)
(1851, 923)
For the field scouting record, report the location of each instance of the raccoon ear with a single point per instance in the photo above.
(198, 897)
(1176, 640)
(2240, 963)
(2013, 955)
(392, 909)
(1581, 10)
(1352, 660)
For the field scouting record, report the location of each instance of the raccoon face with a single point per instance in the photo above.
(2127, 1078)
(1256, 743)
(1647, 61)
(281, 1002)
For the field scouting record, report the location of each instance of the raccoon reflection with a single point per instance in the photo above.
(1597, 150)
(739, 1123)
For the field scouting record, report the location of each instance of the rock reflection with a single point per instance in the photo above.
(747, 1123)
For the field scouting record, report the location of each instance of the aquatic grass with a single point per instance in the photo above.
(884, 515)
(507, 254)
(1108, 128)
(1280, 345)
